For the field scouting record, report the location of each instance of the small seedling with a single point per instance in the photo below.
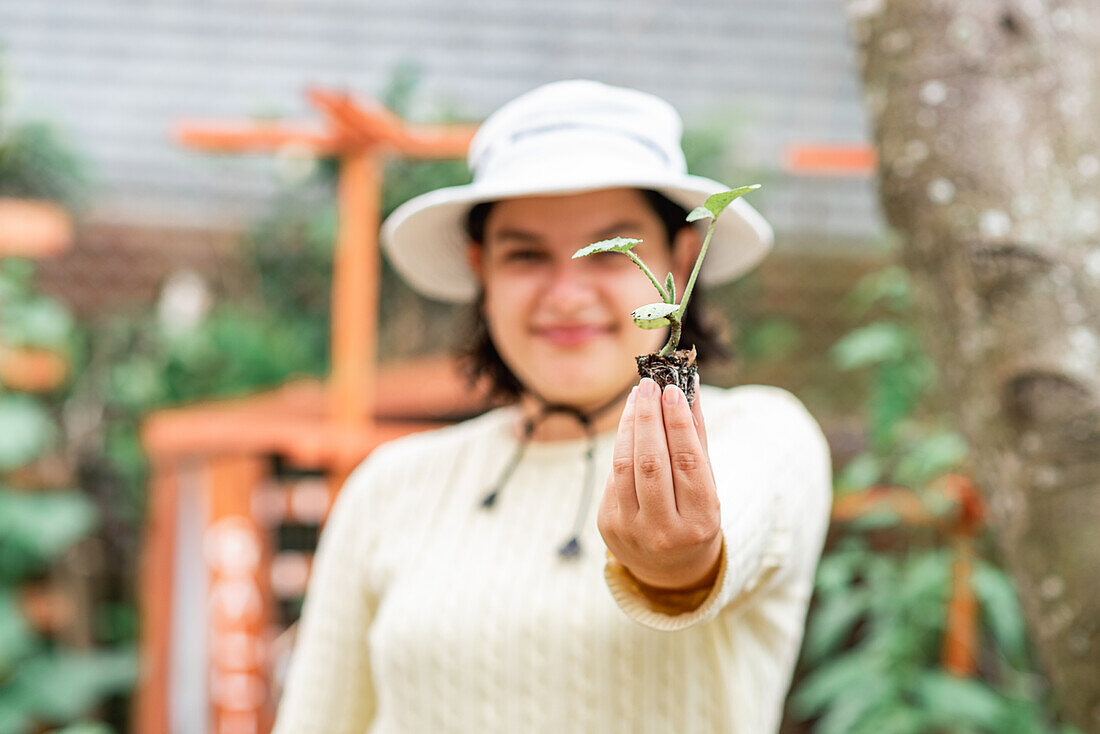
(670, 366)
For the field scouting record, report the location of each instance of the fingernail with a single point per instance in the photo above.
(648, 388)
(632, 395)
(672, 395)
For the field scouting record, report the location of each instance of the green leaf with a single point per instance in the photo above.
(872, 344)
(889, 286)
(851, 706)
(61, 687)
(615, 244)
(832, 622)
(44, 524)
(17, 639)
(930, 457)
(860, 473)
(1001, 609)
(771, 338)
(39, 322)
(14, 719)
(821, 687)
(85, 727)
(25, 430)
(955, 701)
(670, 289)
(653, 315)
(717, 203)
(699, 212)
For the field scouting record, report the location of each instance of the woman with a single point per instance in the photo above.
(461, 583)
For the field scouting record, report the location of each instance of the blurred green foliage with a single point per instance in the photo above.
(871, 658)
(41, 680)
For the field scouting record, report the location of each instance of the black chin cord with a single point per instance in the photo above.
(572, 547)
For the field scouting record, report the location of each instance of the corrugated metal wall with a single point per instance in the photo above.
(116, 74)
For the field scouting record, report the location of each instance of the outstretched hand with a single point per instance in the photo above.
(660, 514)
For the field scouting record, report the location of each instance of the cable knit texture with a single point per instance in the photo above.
(427, 613)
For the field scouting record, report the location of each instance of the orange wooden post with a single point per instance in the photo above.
(960, 640)
(960, 644)
(155, 595)
(355, 289)
(236, 553)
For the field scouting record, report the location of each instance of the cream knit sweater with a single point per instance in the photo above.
(427, 613)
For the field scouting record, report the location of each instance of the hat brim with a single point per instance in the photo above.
(425, 237)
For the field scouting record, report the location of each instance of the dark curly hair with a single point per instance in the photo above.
(481, 360)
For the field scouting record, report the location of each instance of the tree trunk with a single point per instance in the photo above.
(986, 117)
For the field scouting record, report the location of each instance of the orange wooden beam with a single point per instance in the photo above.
(230, 137)
(377, 125)
(33, 228)
(32, 370)
(831, 159)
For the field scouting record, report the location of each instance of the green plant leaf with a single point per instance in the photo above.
(17, 639)
(44, 524)
(930, 457)
(25, 430)
(14, 719)
(832, 622)
(85, 727)
(653, 315)
(37, 322)
(670, 289)
(1001, 609)
(872, 344)
(889, 286)
(771, 338)
(699, 212)
(860, 473)
(717, 203)
(831, 679)
(956, 701)
(61, 687)
(615, 244)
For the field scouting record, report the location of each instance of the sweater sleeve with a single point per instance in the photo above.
(328, 688)
(770, 530)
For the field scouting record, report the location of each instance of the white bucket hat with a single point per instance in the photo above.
(565, 137)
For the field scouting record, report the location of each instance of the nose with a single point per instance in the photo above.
(570, 286)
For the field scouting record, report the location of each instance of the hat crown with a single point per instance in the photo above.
(580, 113)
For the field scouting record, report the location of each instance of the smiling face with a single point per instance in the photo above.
(563, 326)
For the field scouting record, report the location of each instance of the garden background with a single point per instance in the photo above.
(193, 277)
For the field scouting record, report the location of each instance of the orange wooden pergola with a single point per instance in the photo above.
(215, 460)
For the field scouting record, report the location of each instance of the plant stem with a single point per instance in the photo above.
(694, 273)
(656, 283)
(673, 337)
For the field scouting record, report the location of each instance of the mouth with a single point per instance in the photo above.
(571, 334)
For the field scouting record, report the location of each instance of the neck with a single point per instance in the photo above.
(560, 426)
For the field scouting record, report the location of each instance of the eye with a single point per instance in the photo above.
(522, 255)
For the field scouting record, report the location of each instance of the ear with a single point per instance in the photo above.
(685, 248)
(474, 258)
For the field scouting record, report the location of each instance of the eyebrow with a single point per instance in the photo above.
(523, 235)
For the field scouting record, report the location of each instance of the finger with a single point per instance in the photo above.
(697, 415)
(652, 473)
(691, 477)
(621, 480)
